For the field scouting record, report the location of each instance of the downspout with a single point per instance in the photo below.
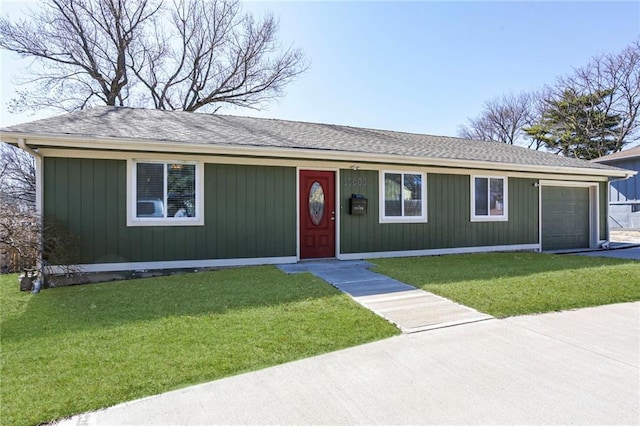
(539, 188)
(39, 197)
(631, 173)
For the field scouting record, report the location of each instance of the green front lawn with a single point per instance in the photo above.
(507, 284)
(74, 349)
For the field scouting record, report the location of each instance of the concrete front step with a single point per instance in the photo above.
(423, 300)
(424, 312)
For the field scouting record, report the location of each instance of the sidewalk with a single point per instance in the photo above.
(409, 308)
(573, 367)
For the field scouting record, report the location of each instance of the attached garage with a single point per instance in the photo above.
(568, 216)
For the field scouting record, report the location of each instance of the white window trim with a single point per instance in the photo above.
(402, 219)
(132, 220)
(488, 218)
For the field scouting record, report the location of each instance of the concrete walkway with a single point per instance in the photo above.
(407, 307)
(573, 367)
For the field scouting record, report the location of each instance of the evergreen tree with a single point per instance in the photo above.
(577, 125)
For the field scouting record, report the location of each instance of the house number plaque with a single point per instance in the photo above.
(359, 181)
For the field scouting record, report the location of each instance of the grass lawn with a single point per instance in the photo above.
(74, 349)
(507, 284)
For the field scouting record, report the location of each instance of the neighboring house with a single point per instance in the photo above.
(146, 189)
(624, 195)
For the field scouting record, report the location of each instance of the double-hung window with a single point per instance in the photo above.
(402, 197)
(489, 198)
(165, 193)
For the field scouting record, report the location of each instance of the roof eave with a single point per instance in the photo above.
(124, 144)
(603, 160)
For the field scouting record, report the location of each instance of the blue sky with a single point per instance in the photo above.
(419, 66)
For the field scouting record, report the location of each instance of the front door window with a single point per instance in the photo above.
(316, 203)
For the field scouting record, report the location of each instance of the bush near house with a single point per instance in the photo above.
(21, 229)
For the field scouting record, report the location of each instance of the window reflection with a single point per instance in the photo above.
(402, 194)
(170, 183)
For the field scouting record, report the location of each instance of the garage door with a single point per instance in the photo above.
(565, 218)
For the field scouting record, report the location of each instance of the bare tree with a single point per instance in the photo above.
(479, 128)
(19, 236)
(19, 224)
(612, 79)
(617, 76)
(180, 54)
(79, 49)
(212, 54)
(17, 175)
(502, 120)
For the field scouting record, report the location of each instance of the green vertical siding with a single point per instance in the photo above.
(254, 213)
(448, 214)
(249, 212)
(84, 197)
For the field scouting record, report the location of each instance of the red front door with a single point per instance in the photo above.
(317, 214)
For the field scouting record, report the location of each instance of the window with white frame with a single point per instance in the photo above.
(489, 198)
(165, 193)
(402, 197)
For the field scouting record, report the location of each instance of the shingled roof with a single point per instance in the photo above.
(189, 130)
(627, 154)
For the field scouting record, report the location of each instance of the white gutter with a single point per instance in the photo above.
(123, 144)
(39, 195)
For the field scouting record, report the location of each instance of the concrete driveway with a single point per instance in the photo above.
(574, 367)
(627, 253)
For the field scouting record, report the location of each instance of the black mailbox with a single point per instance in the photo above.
(357, 205)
